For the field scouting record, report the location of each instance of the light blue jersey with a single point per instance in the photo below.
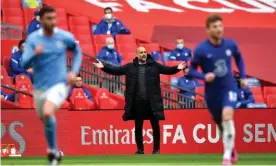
(50, 66)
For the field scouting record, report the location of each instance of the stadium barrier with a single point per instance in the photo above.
(104, 132)
(10, 32)
(116, 84)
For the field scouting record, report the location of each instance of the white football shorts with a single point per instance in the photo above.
(56, 94)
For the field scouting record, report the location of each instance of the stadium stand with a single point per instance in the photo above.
(23, 78)
(6, 62)
(62, 21)
(268, 90)
(150, 47)
(28, 15)
(11, 4)
(271, 100)
(24, 100)
(125, 39)
(78, 100)
(80, 26)
(259, 98)
(104, 101)
(13, 16)
(100, 39)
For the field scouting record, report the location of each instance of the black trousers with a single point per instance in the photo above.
(143, 112)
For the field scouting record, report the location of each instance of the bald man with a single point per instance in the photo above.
(143, 93)
(109, 54)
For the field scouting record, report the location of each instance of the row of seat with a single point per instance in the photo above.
(77, 101)
(267, 94)
(260, 94)
(81, 28)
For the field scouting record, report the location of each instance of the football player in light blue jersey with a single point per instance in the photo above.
(45, 51)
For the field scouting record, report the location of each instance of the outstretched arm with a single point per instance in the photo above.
(111, 69)
(170, 70)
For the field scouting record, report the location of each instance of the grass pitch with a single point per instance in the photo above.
(185, 159)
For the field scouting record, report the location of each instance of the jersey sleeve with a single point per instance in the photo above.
(239, 60)
(73, 46)
(28, 53)
(196, 61)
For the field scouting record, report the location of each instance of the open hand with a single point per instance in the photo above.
(209, 77)
(30, 70)
(181, 66)
(99, 64)
(244, 83)
(38, 49)
(71, 78)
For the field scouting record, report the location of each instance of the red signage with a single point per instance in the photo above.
(104, 132)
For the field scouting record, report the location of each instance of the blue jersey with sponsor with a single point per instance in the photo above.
(217, 59)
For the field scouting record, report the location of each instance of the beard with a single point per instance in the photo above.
(49, 30)
(143, 59)
(216, 37)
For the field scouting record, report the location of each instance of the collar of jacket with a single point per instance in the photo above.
(111, 21)
(149, 60)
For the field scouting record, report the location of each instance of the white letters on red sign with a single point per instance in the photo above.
(186, 4)
(269, 2)
(113, 5)
(259, 8)
(259, 133)
(14, 134)
(145, 6)
(198, 140)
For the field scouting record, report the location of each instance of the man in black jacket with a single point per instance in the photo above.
(143, 93)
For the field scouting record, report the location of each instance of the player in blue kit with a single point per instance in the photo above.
(214, 57)
(45, 51)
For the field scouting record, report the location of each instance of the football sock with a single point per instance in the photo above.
(228, 137)
(50, 132)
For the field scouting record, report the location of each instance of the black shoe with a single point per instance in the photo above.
(54, 158)
(51, 157)
(155, 152)
(140, 152)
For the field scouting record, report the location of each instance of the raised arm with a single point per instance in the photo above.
(170, 70)
(110, 69)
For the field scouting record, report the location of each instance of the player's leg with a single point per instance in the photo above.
(215, 108)
(49, 121)
(228, 135)
(55, 96)
(40, 103)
